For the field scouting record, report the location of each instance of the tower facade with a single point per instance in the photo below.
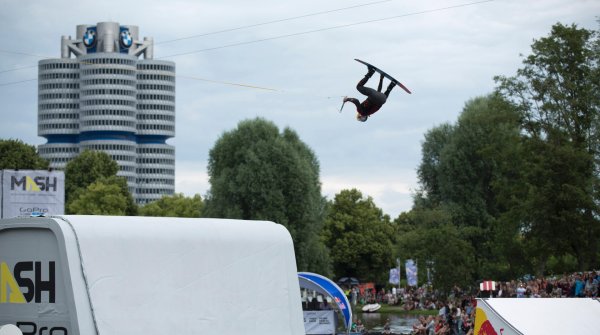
(107, 93)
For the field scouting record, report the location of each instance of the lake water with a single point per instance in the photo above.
(399, 323)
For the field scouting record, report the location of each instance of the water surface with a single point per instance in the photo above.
(399, 323)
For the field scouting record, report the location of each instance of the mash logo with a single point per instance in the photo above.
(35, 184)
(27, 282)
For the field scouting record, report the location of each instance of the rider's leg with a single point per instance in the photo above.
(368, 76)
(389, 88)
(380, 83)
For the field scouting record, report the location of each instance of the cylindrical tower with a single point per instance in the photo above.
(108, 99)
(155, 171)
(58, 110)
(108, 108)
(155, 124)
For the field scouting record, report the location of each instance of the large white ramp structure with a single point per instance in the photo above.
(107, 275)
(537, 316)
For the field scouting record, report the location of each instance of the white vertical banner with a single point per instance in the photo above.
(27, 192)
(394, 276)
(411, 272)
(399, 272)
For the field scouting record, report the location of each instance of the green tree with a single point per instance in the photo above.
(87, 168)
(176, 205)
(429, 237)
(463, 169)
(552, 205)
(429, 194)
(106, 196)
(556, 93)
(14, 154)
(90, 167)
(258, 173)
(360, 237)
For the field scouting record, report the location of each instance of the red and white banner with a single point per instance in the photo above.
(487, 285)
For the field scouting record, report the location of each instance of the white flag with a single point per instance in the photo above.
(394, 276)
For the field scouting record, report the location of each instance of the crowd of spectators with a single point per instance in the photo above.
(576, 285)
(456, 310)
(579, 284)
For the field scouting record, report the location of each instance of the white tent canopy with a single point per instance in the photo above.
(537, 316)
(326, 286)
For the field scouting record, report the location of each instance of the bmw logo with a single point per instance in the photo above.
(126, 40)
(89, 38)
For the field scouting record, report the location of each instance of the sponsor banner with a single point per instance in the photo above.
(32, 192)
(411, 272)
(394, 276)
(32, 290)
(319, 322)
(14, 278)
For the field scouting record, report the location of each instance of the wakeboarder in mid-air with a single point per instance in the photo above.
(375, 98)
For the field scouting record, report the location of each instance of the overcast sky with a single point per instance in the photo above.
(444, 55)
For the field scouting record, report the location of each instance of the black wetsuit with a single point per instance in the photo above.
(375, 99)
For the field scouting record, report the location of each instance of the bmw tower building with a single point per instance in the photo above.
(107, 93)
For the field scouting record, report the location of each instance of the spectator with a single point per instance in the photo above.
(429, 328)
(591, 287)
(521, 291)
(439, 323)
(579, 286)
(387, 329)
(466, 325)
(420, 326)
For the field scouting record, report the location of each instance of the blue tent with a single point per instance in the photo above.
(325, 286)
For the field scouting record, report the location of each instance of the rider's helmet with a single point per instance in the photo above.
(361, 118)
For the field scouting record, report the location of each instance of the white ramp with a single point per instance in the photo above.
(537, 316)
(118, 275)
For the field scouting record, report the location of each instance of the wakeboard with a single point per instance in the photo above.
(384, 74)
